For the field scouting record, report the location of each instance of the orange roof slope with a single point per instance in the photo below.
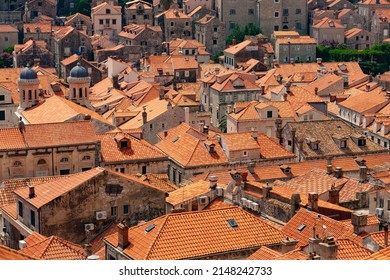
(183, 146)
(188, 192)
(55, 248)
(264, 253)
(307, 220)
(137, 150)
(45, 193)
(349, 250)
(383, 254)
(198, 234)
(7, 253)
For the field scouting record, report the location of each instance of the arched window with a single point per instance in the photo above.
(80, 93)
(17, 164)
(41, 161)
(24, 95)
(35, 94)
(86, 92)
(29, 94)
(74, 93)
(64, 159)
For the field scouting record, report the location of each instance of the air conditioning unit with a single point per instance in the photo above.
(243, 201)
(249, 203)
(89, 227)
(101, 215)
(379, 212)
(203, 199)
(219, 191)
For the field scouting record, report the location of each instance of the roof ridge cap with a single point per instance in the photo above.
(157, 236)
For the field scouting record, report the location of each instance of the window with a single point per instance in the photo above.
(2, 115)
(251, 12)
(124, 144)
(114, 210)
(121, 170)
(144, 169)
(114, 21)
(100, 21)
(379, 141)
(133, 17)
(215, 29)
(172, 23)
(232, 12)
(2, 97)
(41, 161)
(32, 218)
(108, 21)
(298, 25)
(361, 142)
(186, 74)
(232, 25)
(17, 164)
(285, 12)
(20, 209)
(187, 23)
(343, 144)
(6, 39)
(108, 11)
(245, 153)
(151, 127)
(385, 144)
(269, 114)
(64, 159)
(289, 142)
(276, 28)
(215, 41)
(381, 203)
(126, 210)
(40, 4)
(86, 157)
(276, 14)
(146, 16)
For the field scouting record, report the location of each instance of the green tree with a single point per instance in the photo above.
(9, 49)
(82, 7)
(239, 34)
(166, 4)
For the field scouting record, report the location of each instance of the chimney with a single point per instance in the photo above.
(278, 124)
(229, 109)
(123, 236)
(253, 133)
(336, 14)
(275, 62)
(316, 90)
(334, 195)
(367, 88)
(165, 133)
(293, 132)
(266, 191)
(386, 236)
(338, 173)
(21, 125)
(161, 93)
(319, 60)
(288, 87)
(262, 89)
(359, 221)
(88, 249)
(251, 167)
(328, 249)
(362, 174)
(22, 244)
(216, 70)
(295, 203)
(292, 60)
(206, 129)
(115, 82)
(31, 191)
(213, 181)
(244, 176)
(329, 167)
(288, 245)
(144, 115)
(313, 201)
(313, 243)
(234, 42)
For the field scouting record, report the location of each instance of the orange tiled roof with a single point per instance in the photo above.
(7, 253)
(378, 237)
(97, 244)
(217, 204)
(5, 28)
(198, 234)
(383, 254)
(328, 23)
(45, 193)
(137, 150)
(349, 250)
(44, 27)
(55, 248)
(188, 192)
(160, 181)
(228, 83)
(7, 195)
(366, 101)
(267, 147)
(34, 238)
(264, 253)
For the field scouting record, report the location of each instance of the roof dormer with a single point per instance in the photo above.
(238, 83)
(341, 141)
(313, 143)
(122, 141)
(210, 146)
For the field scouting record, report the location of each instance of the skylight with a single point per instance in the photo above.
(149, 228)
(232, 223)
(301, 227)
(175, 139)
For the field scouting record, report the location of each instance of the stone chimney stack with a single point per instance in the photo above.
(313, 201)
(266, 191)
(144, 115)
(362, 174)
(213, 181)
(329, 167)
(386, 236)
(359, 221)
(334, 195)
(251, 167)
(123, 236)
(338, 173)
(31, 191)
(328, 248)
(316, 90)
(288, 245)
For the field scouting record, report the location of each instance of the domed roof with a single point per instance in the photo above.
(78, 72)
(28, 74)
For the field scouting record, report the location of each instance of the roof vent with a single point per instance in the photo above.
(301, 228)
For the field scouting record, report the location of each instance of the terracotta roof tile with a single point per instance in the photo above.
(55, 248)
(45, 193)
(188, 193)
(349, 250)
(4, 28)
(328, 23)
(383, 254)
(264, 253)
(34, 238)
(137, 150)
(7, 253)
(217, 204)
(198, 234)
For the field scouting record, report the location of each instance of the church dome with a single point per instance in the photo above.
(28, 74)
(78, 72)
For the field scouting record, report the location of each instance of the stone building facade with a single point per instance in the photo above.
(85, 205)
(107, 20)
(8, 36)
(210, 31)
(36, 8)
(7, 108)
(175, 24)
(139, 12)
